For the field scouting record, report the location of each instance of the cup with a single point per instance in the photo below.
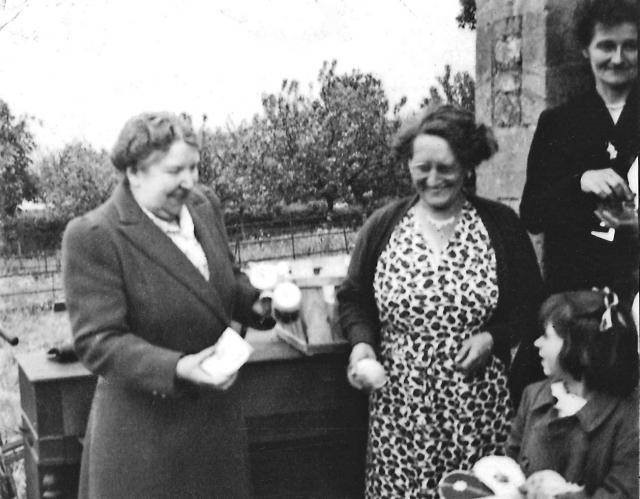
(263, 276)
(286, 301)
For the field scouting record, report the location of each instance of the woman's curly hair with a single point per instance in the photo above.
(607, 12)
(471, 143)
(149, 132)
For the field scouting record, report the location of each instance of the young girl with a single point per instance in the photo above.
(582, 421)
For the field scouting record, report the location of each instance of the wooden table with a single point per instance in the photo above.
(306, 426)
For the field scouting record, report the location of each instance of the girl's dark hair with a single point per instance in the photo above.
(605, 360)
(607, 12)
(149, 132)
(470, 143)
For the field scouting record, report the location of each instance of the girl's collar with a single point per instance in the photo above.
(567, 403)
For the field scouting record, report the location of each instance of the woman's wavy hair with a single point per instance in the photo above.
(470, 143)
(607, 12)
(604, 358)
(149, 132)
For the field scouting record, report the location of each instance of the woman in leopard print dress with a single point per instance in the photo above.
(441, 286)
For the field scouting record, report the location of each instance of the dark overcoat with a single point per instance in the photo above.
(570, 139)
(136, 305)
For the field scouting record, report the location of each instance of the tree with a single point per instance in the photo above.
(76, 179)
(351, 147)
(467, 16)
(331, 144)
(459, 91)
(16, 144)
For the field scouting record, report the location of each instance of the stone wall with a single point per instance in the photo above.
(526, 60)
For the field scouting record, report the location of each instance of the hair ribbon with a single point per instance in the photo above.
(610, 301)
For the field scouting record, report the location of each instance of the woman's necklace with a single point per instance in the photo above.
(438, 225)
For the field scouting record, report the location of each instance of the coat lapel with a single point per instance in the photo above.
(217, 254)
(154, 243)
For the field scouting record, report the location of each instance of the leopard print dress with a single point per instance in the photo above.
(428, 419)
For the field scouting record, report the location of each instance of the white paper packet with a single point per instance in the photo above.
(232, 352)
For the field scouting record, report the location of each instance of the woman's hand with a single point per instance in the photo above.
(189, 369)
(605, 184)
(262, 317)
(624, 219)
(358, 352)
(474, 353)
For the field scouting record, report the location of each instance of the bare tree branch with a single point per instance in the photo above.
(13, 18)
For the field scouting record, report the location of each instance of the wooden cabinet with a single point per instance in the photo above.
(306, 426)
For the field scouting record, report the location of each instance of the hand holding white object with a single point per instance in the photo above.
(364, 371)
(218, 365)
(605, 183)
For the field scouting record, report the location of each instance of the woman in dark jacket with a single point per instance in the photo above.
(580, 161)
(440, 287)
(150, 287)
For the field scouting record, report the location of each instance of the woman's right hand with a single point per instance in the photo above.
(358, 352)
(189, 369)
(605, 183)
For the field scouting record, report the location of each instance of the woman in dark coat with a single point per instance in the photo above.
(580, 160)
(440, 287)
(150, 287)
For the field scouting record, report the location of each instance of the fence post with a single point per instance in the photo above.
(237, 251)
(346, 241)
(53, 289)
(293, 239)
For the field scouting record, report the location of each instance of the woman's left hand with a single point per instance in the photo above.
(474, 353)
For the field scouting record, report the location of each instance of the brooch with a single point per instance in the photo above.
(611, 149)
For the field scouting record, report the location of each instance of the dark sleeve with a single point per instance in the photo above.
(356, 303)
(552, 192)
(245, 294)
(514, 442)
(97, 305)
(516, 322)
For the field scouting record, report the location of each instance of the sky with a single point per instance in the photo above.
(82, 68)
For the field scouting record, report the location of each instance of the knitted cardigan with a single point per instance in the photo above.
(519, 283)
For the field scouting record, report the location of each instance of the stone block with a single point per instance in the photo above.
(507, 81)
(506, 109)
(508, 52)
